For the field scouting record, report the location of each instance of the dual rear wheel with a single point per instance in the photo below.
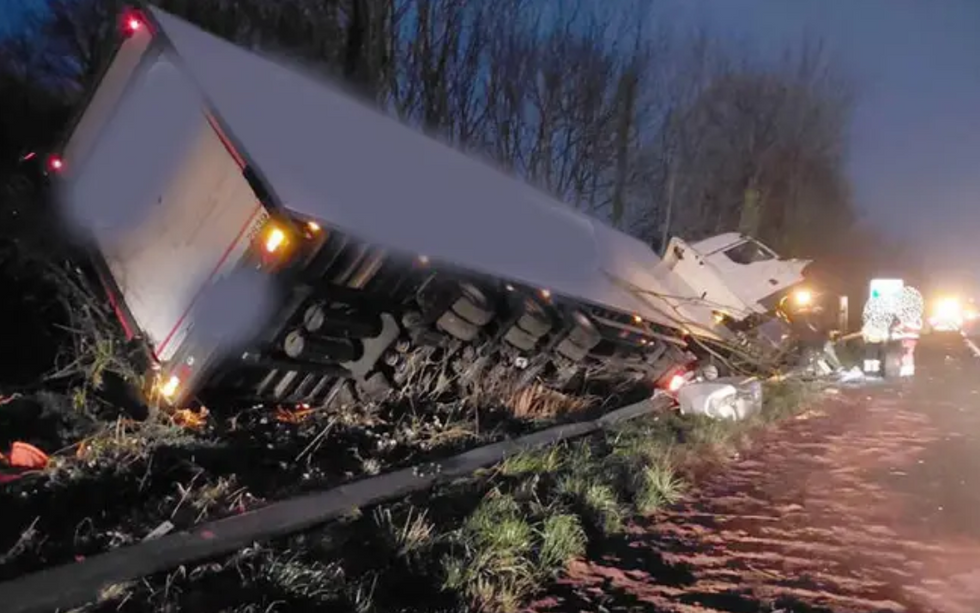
(472, 310)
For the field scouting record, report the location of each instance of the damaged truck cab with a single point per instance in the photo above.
(741, 287)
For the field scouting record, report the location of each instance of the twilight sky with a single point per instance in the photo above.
(11, 13)
(915, 156)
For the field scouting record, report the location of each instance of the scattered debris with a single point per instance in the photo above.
(295, 415)
(25, 456)
(729, 398)
(854, 374)
(162, 530)
(193, 420)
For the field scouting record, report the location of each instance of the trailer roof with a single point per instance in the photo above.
(327, 156)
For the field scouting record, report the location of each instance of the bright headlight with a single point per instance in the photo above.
(948, 308)
(803, 297)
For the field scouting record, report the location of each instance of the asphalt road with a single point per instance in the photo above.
(870, 501)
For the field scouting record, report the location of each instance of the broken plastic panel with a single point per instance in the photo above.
(729, 398)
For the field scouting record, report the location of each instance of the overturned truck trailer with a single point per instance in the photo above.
(262, 233)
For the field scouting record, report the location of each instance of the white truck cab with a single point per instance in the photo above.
(737, 276)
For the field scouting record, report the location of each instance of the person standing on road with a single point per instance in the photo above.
(891, 330)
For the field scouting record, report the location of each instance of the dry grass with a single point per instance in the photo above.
(537, 402)
(497, 387)
(98, 347)
(27, 540)
(222, 493)
(118, 446)
(408, 535)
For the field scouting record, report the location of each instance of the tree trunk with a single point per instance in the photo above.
(751, 205)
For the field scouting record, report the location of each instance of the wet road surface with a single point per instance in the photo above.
(870, 501)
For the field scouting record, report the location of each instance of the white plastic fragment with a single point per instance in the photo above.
(729, 398)
(855, 374)
(162, 530)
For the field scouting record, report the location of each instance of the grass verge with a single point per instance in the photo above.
(487, 543)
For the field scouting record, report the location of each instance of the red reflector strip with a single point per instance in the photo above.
(226, 142)
(114, 303)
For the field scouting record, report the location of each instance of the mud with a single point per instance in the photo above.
(868, 503)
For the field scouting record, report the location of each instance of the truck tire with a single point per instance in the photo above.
(572, 351)
(457, 327)
(294, 344)
(584, 334)
(473, 306)
(535, 320)
(520, 339)
(314, 317)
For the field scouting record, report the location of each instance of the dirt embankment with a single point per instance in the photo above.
(869, 504)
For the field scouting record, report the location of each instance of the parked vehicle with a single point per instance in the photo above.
(892, 324)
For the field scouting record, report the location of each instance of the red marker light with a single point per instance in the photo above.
(132, 22)
(29, 156)
(55, 163)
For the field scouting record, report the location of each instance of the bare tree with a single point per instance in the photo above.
(757, 148)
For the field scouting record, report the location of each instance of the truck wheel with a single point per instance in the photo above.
(535, 320)
(584, 334)
(457, 327)
(314, 317)
(294, 344)
(520, 339)
(572, 351)
(473, 306)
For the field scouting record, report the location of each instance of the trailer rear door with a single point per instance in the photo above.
(167, 202)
